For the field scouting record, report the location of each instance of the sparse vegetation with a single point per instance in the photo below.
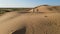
(44, 5)
(55, 8)
(50, 9)
(4, 10)
(1, 11)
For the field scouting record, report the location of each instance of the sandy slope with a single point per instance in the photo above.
(40, 24)
(7, 16)
(10, 25)
(35, 24)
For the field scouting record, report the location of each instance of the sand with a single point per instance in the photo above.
(8, 16)
(45, 23)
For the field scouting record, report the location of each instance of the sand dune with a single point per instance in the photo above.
(35, 24)
(45, 9)
(40, 20)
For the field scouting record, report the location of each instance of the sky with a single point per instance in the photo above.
(27, 3)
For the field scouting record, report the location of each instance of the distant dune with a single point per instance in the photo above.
(45, 8)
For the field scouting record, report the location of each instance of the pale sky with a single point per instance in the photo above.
(27, 3)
